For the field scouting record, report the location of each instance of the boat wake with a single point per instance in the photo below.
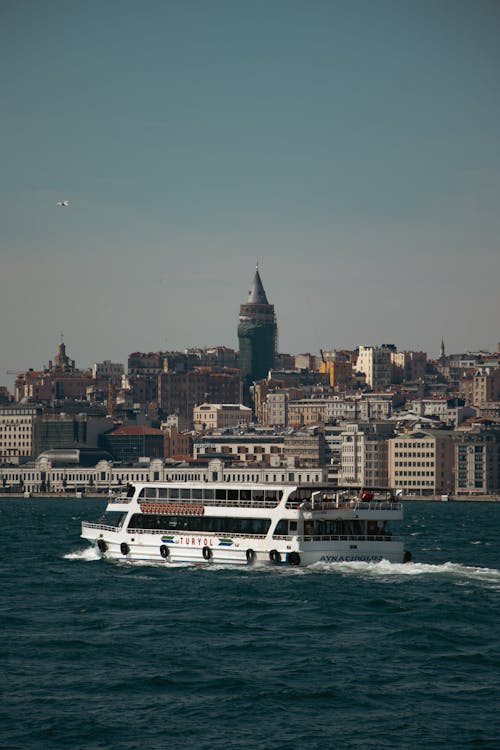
(88, 554)
(384, 568)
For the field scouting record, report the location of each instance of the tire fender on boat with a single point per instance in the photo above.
(294, 558)
(275, 556)
(124, 548)
(101, 545)
(207, 553)
(407, 557)
(164, 551)
(250, 556)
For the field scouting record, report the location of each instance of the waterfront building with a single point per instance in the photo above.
(422, 462)
(477, 460)
(257, 335)
(66, 473)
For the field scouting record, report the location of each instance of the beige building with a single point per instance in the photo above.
(307, 411)
(208, 417)
(18, 428)
(251, 448)
(422, 462)
(481, 387)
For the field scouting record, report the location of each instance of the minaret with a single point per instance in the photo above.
(257, 334)
(442, 349)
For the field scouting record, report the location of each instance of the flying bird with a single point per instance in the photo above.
(63, 204)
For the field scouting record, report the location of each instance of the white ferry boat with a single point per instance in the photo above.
(239, 523)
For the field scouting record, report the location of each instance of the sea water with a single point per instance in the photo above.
(102, 655)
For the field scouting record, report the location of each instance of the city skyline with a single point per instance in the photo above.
(353, 147)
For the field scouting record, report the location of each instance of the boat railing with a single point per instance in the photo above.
(118, 499)
(339, 537)
(350, 505)
(185, 532)
(218, 503)
(102, 526)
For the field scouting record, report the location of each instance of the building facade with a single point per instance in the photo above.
(218, 416)
(422, 462)
(375, 363)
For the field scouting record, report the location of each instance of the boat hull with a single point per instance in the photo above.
(199, 549)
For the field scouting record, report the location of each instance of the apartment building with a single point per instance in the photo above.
(477, 460)
(363, 457)
(375, 363)
(481, 386)
(18, 431)
(422, 462)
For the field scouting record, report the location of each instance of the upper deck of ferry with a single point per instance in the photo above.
(308, 498)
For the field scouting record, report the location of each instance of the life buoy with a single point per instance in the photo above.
(250, 556)
(294, 558)
(164, 551)
(101, 544)
(124, 548)
(207, 553)
(275, 556)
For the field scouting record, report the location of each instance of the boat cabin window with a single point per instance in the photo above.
(285, 527)
(222, 494)
(191, 524)
(113, 518)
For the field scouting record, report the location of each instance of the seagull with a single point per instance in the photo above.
(63, 204)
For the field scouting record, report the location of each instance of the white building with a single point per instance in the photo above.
(363, 457)
(375, 363)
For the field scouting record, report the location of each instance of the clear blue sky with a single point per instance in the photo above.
(352, 145)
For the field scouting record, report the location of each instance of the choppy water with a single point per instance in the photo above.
(99, 655)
